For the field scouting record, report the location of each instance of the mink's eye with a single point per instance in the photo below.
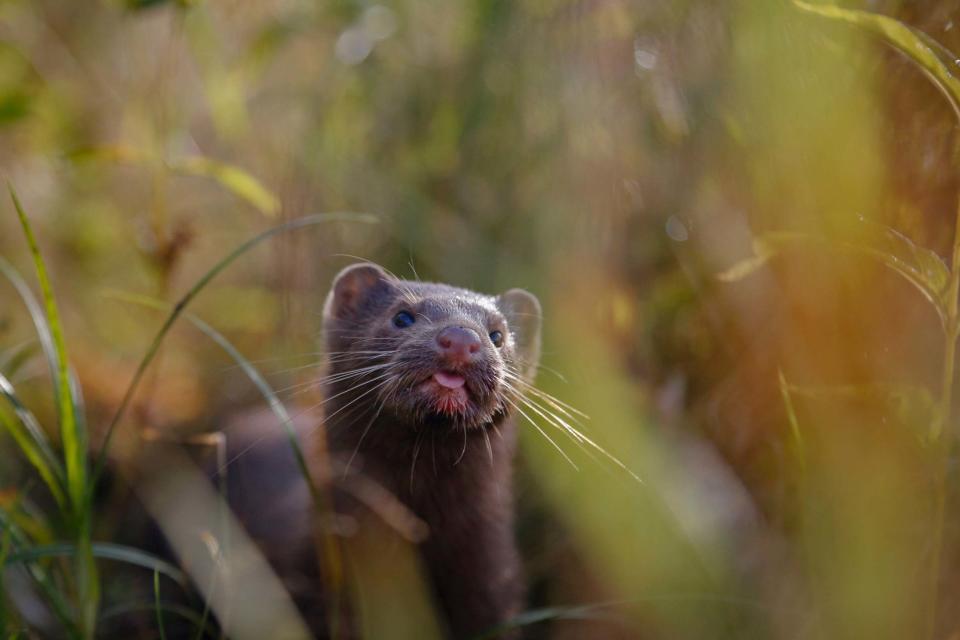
(496, 337)
(403, 320)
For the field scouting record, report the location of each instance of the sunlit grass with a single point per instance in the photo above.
(769, 454)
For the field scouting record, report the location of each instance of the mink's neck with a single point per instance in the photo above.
(415, 461)
(459, 484)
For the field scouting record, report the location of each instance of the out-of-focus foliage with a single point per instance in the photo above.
(791, 421)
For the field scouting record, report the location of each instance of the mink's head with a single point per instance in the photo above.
(427, 353)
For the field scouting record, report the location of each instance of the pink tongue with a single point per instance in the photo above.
(448, 380)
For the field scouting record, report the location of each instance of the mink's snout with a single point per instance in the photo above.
(459, 346)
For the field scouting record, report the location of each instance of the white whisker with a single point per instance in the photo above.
(486, 440)
(464, 451)
(543, 433)
(363, 435)
(580, 437)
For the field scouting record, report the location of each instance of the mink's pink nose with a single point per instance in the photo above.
(458, 344)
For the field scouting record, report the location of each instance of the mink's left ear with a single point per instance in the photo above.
(352, 288)
(522, 310)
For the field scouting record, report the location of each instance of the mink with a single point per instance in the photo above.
(421, 387)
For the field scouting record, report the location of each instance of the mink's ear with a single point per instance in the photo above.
(352, 287)
(522, 310)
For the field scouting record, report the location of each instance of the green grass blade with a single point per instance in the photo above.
(37, 316)
(156, 603)
(102, 550)
(87, 577)
(48, 347)
(115, 153)
(54, 598)
(14, 359)
(39, 441)
(921, 267)
(916, 45)
(80, 420)
(72, 435)
(44, 462)
(7, 617)
(232, 178)
(796, 433)
(30, 519)
(299, 223)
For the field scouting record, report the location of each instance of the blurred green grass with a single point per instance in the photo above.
(613, 157)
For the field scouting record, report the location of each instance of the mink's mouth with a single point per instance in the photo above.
(424, 390)
(447, 392)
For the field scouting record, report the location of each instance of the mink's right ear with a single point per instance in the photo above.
(524, 316)
(352, 287)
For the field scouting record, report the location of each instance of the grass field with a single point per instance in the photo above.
(741, 219)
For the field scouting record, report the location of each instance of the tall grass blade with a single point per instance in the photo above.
(71, 433)
(39, 320)
(14, 359)
(49, 348)
(5, 617)
(921, 267)
(104, 550)
(39, 457)
(234, 179)
(51, 593)
(30, 424)
(73, 438)
(27, 515)
(916, 45)
(799, 449)
(231, 177)
(156, 603)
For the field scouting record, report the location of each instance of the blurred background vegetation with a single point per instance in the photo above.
(791, 423)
